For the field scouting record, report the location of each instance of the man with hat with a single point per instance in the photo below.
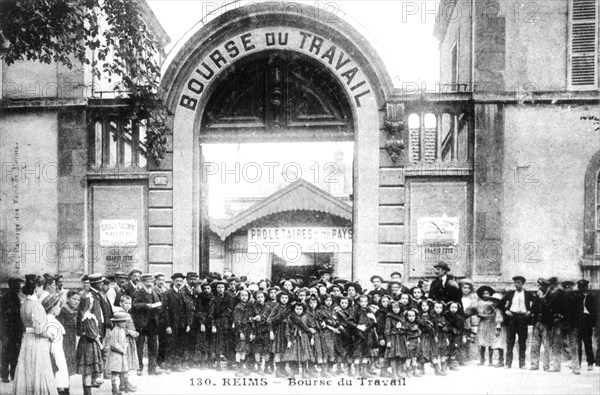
(132, 285)
(179, 319)
(160, 289)
(145, 313)
(516, 304)
(444, 288)
(396, 277)
(190, 338)
(587, 303)
(563, 326)
(377, 282)
(85, 285)
(101, 308)
(325, 274)
(11, 329)
(542, 326)
(115, 291)
(300, 279)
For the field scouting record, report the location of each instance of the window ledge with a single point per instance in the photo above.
(114, 175)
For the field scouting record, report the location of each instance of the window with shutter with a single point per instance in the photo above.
(583, 45)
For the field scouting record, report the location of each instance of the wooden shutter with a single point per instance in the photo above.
(583, 45)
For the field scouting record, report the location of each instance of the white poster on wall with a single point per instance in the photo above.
(118, 232)
(437, 230)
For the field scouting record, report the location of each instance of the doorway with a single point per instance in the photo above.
(270, 121)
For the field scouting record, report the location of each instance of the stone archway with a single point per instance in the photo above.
(305, 30)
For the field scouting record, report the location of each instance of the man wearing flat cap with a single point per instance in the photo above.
(516, 304)
(444, 288)
(188, 294)
(586, 303)
(541, 318)
(160, 289)
(11, 329)
(179, 319)
(146, 317)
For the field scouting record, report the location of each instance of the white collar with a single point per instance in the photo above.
(32, 297)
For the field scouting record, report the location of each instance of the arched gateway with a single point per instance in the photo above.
(271, 33)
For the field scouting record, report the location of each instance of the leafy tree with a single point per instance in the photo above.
(62, 30)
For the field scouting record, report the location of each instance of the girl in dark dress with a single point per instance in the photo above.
(416, 297)
(364, 336)
(395, 338)
(343, 341)
(261, 347)
(404, 303)
(315, 323)
(68, 319)
(413, 340)
(440, 327)
(277, 322)
(456, 337)
(429, 350)
(242, 322)
(203, 325)
(300, 340)
(272, 297)
(381, 316)
(89, 349)
(219, 314)
(326, 316)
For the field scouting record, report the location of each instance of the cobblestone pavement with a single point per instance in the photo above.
(470, 379)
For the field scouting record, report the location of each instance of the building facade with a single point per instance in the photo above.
(496, 172)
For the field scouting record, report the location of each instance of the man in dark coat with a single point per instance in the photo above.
(587, 303)
(444, 288)
(145, 313)
(542, 327)
(101, 308)
(11, 329)
(564, 325)
(160, 289)
(179, 318)
(516, 304)
(131, 286)
(187, 289)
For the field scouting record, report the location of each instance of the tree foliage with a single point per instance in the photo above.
(63, 31)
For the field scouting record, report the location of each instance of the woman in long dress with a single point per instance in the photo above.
(34, 374)
(61, 373)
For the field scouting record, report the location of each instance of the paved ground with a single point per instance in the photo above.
(470, 379)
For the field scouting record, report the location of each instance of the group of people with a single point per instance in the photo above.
(313, 327)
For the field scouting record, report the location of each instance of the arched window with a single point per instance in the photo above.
(591, 215)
